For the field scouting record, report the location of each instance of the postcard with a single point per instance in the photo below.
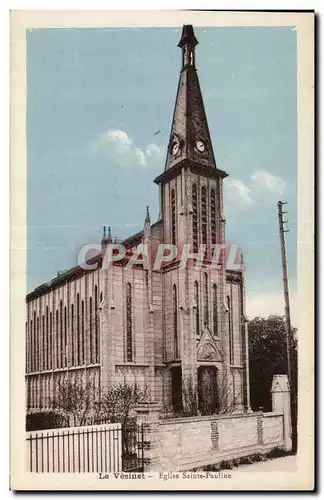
(162, 250)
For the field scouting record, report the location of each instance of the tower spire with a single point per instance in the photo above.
(188, 43)
(106, 240)
(189, 138)
(109, 238)
(147, 223)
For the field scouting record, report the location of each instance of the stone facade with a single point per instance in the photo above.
(159, 327)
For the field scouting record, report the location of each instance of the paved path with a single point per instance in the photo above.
(282, 464)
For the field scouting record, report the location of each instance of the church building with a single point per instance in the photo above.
(166, 327)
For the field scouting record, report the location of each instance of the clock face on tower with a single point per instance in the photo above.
(175, 148)
(200, 146)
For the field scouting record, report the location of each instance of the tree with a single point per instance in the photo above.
(74, 401)
(117, 403)
(268, 357)
(204, 401)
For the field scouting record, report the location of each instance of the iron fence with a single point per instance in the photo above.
(133, 448)
(78, 449)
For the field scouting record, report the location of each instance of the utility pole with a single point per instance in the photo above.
(289, 341)
(282, 232)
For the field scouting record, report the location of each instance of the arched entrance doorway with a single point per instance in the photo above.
(207, 390)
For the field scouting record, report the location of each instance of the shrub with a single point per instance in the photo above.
(44, 420)
(276, 453)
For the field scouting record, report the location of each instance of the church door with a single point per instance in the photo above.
(176, 388)
(207, 390)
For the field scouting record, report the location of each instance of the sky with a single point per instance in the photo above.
(95, 99)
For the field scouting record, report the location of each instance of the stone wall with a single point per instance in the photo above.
(186, 443)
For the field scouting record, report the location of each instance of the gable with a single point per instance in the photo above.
(207, 349)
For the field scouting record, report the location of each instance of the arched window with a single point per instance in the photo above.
(194, 218)
(78, 331)
(90, 331)
(42, 367)
(206, 302)
(61, 334)
(65, 343)
(97, 338)
(82, 333)
(129, 324)
(37, 344)
(204, 215)
(26, 347)
(50, 340)
(215, 322)
(175, 323)
(47, 340)
(196, 290)
(28, 392)
(230, 330)
(213, 216)
(34, 342)
(173, 217)
(30, 347)
(57, 340)
(72, 335)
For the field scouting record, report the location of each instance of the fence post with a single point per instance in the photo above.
(148, 412)
(280, 392)
(148, 415)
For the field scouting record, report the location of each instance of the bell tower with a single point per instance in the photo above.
(190, 157)
(191, 199)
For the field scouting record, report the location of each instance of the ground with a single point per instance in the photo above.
(288, 464)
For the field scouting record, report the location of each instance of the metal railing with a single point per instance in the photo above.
(78, 449)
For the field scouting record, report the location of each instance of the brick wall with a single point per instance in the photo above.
(186, 443)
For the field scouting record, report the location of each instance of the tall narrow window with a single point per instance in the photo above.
(72, 335)
(28, 393)
(175, 323)
(78, 347)
(90, 331)
(204, 215)
(56, 357)
(65, 343)
(206, 301)
(194, 218)
(230, 330)
(26, 347)
(82, 333)
(173, 217)
(196, 289)
(213, 216)
(47, 340)
(61, 334)
(50, 342)
(97, 338)
(129, 324)
(215, 319)
(34, 344)
(30, 347)
(42, 367)
(37, 344)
